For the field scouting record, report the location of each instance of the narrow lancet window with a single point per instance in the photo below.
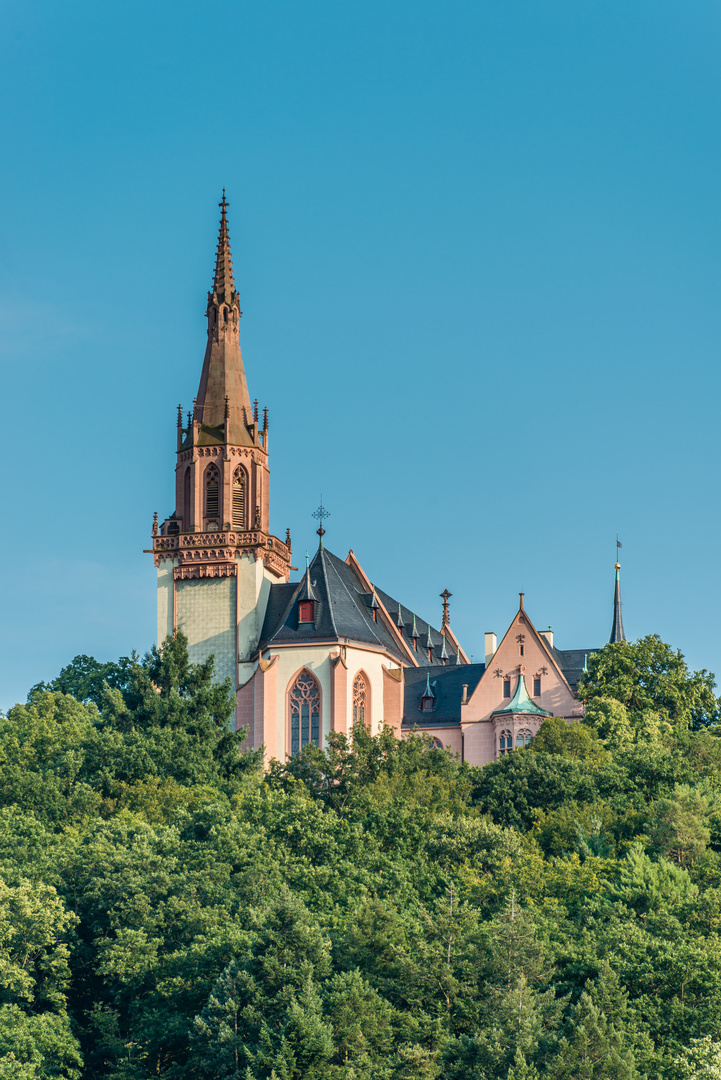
(212, 492)
(239, 499)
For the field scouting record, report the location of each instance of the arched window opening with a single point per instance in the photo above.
(238, 499)
(523, 738)
(436, 744)
(212, 492)
(304, 712)
(505, 744)
(186, 500)
(360, 700)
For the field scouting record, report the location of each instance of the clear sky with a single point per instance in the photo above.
(478, 252)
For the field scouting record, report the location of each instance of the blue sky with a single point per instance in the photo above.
(478, 250)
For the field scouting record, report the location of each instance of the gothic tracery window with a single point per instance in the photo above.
(523, 738)
(212, 491)
(505, 743)
(360, 699)
(238, 499)
(304, 712)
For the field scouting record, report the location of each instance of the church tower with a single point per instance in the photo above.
(215, 555)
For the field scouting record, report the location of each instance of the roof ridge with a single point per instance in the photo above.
(369, 622)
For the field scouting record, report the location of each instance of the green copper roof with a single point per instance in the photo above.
(521, 703)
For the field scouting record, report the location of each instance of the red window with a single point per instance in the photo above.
(305, 611)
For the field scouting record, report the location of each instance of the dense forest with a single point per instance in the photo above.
(373, 911)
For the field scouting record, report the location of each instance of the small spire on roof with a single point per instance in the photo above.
(429, 639)
(617, 633)
(180, 416)
(307, 592)
(458, 656)
(445, 596)
(428, 691)
(374, 599)
(414, 632)
(444, 652)
(399, 619)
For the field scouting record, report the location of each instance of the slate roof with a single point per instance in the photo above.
(572, 663)
(424, 630)
(447, 686)
(342, 609)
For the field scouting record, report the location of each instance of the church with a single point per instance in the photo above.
(333, 649)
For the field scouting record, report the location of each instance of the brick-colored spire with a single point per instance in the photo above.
(223, 398)
(223, 284)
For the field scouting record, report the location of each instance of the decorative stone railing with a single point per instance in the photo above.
(221, 538)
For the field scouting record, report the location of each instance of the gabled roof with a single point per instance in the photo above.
(521, 702)
(446, 684)
(342, 609)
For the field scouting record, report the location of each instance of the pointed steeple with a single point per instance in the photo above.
(223, 283)
(444, 651)
(458, 657)
(223, 375)
(617, 633)
(399, 619)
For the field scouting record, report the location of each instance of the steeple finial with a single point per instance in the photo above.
(223, 284)
(617, 633)
(520, 597)
(320, 514)
(445, 596)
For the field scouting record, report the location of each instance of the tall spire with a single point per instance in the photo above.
(223, 284)
(223, 375)
(617, 633)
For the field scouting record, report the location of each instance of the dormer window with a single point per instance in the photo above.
(427, 704)
(305, 611)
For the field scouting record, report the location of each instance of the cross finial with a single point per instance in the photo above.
(320, 514)
(445, 596)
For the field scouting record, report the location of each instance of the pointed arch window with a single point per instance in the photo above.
(186, 500)
(238, 499)
(523, 738)
(304, 712)
(505, 743)
(361, 696)
(212, 491)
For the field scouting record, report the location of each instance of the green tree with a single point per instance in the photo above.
(650, 675)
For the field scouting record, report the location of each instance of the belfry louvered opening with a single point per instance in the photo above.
(238, 500)
(211, 493)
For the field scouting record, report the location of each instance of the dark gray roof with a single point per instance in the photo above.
(342, 609)
(447, 686)
(424, 630)
(572, 663)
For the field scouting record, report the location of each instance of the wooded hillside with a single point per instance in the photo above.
(375, 911)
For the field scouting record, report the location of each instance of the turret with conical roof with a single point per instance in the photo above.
(617, 633)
